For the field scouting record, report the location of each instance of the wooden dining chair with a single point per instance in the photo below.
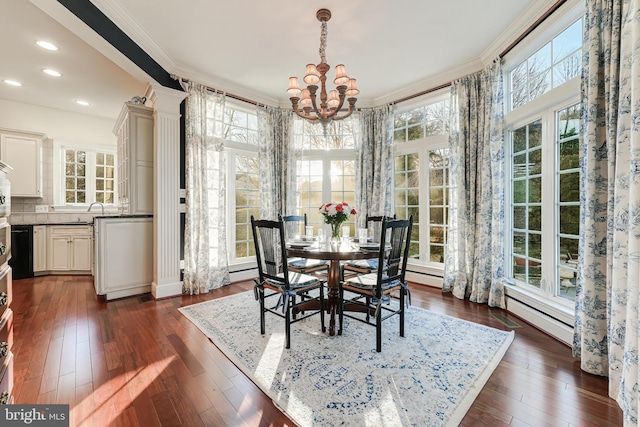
(275, 281)
(295, 225)
(365, 266)
(371, 293)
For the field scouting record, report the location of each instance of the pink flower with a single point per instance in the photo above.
(339, 207)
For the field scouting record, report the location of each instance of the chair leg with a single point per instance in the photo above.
(402, 297)
(340, 308)
(368, 302)
(379, 331)
(261, 292)
(322, 308)
(287, 327)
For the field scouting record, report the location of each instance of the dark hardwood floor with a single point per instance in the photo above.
(139, 362)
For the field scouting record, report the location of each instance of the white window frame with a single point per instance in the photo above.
(422, 147)
(59, 203)
(232, 150)
(326, 157)
(543, 107)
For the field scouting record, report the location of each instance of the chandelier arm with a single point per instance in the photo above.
(312, 91)
(352, 105)
(332, 113)
(294, 103)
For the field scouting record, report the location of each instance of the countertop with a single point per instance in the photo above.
(120, 216)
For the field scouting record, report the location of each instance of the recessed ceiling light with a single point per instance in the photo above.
(46, 45)
(12, 82)
(83, 103)
(51, 72)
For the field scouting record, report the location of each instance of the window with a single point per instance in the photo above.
(546, 223)
(247, 201)
(240, 132)
(557, 62)
(421, 177)
(89, 176)
(544, 175)
(422, 122)
(326, 169)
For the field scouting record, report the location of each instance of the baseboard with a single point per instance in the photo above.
(549, 325)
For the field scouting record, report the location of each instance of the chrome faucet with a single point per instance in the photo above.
(96, 203)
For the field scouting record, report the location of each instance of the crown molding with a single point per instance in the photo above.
(432, 81)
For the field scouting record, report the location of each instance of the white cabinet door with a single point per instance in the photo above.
(39, 248)
(23, 152)
(134, 129)
(80, 253)
(59, 253)
(69, 249)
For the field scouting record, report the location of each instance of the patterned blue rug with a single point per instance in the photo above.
(428, 378)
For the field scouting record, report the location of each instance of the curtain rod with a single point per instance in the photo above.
(509, 48)
(214, 90)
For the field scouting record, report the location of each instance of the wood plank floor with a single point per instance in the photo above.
(139, 362)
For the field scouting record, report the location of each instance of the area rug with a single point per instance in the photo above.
(428, 378)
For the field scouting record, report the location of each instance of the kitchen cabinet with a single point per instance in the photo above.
(6, 293)
(69, 249)
(123, 255)
(39, 249)
(23, 152)
(134, 129)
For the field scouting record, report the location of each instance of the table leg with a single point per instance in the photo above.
(332, 297)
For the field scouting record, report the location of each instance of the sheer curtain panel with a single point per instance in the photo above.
(277, 162)
(205, 252)
(374, 167)
(474, 256)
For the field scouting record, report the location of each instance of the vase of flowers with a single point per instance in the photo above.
(336, 213)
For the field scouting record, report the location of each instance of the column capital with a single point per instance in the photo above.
(165, 100)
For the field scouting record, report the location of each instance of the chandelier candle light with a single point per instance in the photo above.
(335, 213)
(329, 107)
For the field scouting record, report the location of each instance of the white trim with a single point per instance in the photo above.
(547, 324)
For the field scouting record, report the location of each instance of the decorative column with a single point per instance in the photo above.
(166, 191)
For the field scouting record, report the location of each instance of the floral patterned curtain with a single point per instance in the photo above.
(374, 162)
(277, 163)
(606, 332)
(205, 252)
(474, 256)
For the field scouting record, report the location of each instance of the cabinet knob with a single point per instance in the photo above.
(4, 348)
(2, 199)
(3, 249)
(3, 298)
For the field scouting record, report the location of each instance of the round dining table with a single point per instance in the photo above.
(334, 253)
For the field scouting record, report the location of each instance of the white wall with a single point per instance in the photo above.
(61, 126)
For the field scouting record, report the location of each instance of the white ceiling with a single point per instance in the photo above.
(250, 48)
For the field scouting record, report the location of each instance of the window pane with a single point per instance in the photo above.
(247, 200)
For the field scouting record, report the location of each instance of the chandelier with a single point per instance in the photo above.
(304, 101)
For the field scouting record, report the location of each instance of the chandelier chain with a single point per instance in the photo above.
(323, 42)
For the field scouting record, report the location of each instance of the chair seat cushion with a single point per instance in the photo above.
(306, 263)
(369, 281)
(296, 280)
(370, 264)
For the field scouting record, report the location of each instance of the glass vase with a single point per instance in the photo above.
(335, 232)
